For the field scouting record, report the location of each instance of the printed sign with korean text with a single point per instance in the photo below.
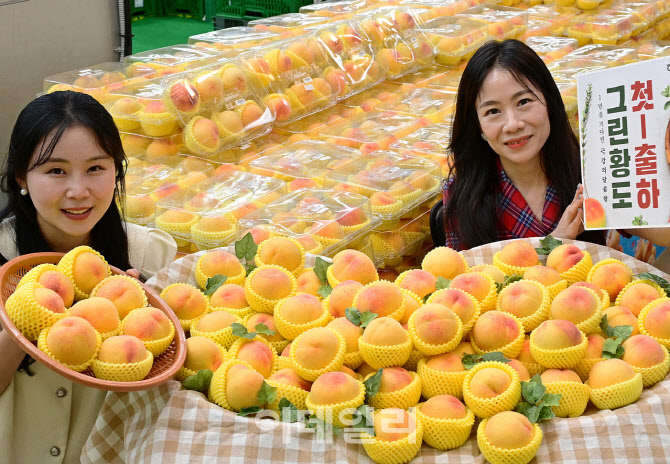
(624, 134)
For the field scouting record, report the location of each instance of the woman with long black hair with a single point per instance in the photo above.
(515, 166)
(64, 176)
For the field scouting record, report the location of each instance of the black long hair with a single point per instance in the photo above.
(38, 129)
(471, 209)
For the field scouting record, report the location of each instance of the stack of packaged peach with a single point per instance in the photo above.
(371, 76)
(511, 342)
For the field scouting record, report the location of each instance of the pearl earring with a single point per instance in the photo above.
(24, 192)
(484, 137)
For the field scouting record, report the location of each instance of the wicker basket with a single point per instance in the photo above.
(164, 366)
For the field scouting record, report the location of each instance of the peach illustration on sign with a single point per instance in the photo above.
(594, 214)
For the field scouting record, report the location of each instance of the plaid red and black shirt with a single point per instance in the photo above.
(515, 219)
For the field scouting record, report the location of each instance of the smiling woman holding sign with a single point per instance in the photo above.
(516, 160)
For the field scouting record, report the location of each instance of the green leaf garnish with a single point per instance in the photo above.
(509, 279)
(213, 283)
(263, 329)
(548, 244)
(353, 315)
(664, 284)
(244, 412)
(321, 269)
(470, 360)
(533, 390)
(199, 381)
(621, 332)
(372, 385)
(288, 412)
(362, 419)
(612, 349)
(532, 412)
(246, 248)
(536, 402)
(325, 290)
(240, 330)
(250, 269)
(267, 394)
(367, 317)
(442, 283)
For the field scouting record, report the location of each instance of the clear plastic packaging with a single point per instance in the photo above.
(294, 74)
(568, 91)
(552, 48)
(404, 240)
(401, 47)
(261, 146)
(559, 16)
(503, 22)
(288, 24)
(305, 162)
(539, 27)
(581, 4)
(396, 185)
(96, 81)
(448, 80)
(224, 96)
(139, 145)
(435, 105)
(601, 27)
(653, 49)
(323, 221)
(170, 60)
(205, 216)
(354, 61)
(415, 79)
(441, 8)
(368, 99)
(311, 126)
(568, 69)
(431, 142)
(337, 10)
(614, 55)
(233, 38)
(139, 108)
(455, 39)
(372, 130)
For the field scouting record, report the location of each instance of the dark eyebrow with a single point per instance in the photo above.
(54, 159)
(515, 96)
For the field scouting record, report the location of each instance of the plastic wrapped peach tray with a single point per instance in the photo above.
(164, 367)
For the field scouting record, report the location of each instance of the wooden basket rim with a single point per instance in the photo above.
(30, 260)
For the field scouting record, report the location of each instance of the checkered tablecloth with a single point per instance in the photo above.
(168, 424)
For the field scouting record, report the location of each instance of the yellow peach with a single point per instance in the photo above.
(556, 334)
(354, 265)
(242, 386)
(519, 253)
(229, 296)
(383, 298)
(317, 348)
(574, 304)
(435, 324)
(258, 355)
(509, 430)
(100, 312)
(393, 424)
(72, 340)
(643, 351)
(333, 388)
(444, 407)
(348, 330)
(609, 372)
(122, 349)
(384, 331)
(186, 301)
(564, 257)
(290, 377)
(202, 353)
(489, 382)
(493, 330)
